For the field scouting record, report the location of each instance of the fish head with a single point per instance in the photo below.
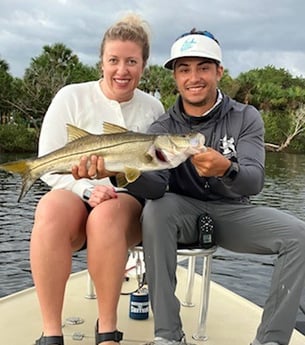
(173, 149)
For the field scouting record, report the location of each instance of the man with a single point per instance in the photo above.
(219, 182)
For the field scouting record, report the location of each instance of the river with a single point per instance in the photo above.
(247, 275)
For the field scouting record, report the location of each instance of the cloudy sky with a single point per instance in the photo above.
(252, 33)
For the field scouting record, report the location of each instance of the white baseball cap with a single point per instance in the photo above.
(195, 44)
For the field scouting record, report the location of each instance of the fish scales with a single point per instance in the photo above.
(125, 152)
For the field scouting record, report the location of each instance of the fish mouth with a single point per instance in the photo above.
(170, 159)
(160, 155)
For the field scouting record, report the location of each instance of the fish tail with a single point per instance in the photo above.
(23, 168)
(16, 167)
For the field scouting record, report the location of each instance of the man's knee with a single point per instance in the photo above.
(301, 239)
(157, 212)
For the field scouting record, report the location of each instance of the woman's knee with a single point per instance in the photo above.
(115, 219)
(59, 210)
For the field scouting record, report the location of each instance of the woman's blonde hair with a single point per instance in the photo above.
(130, 28)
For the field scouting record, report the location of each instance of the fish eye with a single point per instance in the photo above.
(194, 141)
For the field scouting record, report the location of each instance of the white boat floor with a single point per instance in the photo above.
(232, 320)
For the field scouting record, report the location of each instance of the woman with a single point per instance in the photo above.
(82, 210)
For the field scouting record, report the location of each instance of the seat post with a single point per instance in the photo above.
(190, 282)
(192, 254)
(200, 334)
(90, 288)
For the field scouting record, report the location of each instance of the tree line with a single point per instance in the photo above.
(23, 101)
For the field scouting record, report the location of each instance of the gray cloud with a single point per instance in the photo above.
(253, 34)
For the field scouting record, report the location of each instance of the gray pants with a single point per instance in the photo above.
(241, 228)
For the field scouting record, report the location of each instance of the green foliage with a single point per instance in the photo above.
(6, 88)
(270, 89)
(275, 126)
(275, 92)
(17, 138)
(82, 73)
(229, 85)
(55, 67)
(169, 100)
(156, 78)
(298, 145)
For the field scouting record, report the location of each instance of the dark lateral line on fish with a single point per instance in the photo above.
(82, 153)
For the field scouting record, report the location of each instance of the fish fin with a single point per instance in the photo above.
(121, 180)
(148, 157)
(16, 167)
(110, 128)
(132, 174)
(74, 132)
(23, 168)
(27, 183)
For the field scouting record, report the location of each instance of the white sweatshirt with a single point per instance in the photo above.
(84, 105)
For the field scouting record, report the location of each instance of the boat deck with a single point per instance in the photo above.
(232, 320)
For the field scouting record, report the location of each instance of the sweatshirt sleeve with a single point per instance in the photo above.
(150, 185)
(250, 152)
(248, 133)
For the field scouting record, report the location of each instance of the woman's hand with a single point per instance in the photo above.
(101, 193)
(92, 168)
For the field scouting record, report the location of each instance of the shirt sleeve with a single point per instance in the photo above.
(53, 136)
(250, 152)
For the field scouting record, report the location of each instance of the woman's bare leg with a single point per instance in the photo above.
(59, 228)
(112, 227)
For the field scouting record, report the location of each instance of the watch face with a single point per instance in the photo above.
(87, 194)
(233, 171)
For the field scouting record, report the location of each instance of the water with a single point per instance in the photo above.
(16, 221)
(247, 275)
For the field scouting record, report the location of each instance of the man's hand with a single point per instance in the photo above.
(92, 168)
(210, 163)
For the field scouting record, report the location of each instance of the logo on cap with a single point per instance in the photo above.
(188, 44)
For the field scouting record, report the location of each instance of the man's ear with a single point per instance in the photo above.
(220, 71)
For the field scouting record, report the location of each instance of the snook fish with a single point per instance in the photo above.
(126, 152)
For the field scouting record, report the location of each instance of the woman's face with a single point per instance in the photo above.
(122, 66)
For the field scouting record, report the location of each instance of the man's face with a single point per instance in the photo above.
(196, 80)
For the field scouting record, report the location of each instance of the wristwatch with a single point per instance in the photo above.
(231, 173)
(86, 194)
